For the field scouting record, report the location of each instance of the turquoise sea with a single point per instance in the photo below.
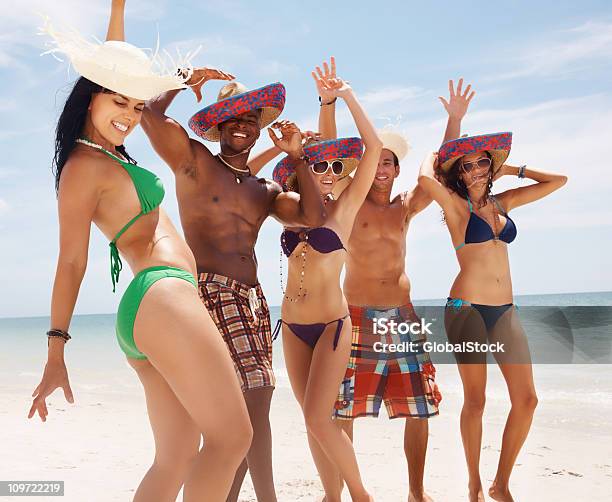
(94, 358)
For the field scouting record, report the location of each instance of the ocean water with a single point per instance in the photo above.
(592, 299)
(95, 361)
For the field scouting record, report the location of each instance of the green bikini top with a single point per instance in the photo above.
(150, 191)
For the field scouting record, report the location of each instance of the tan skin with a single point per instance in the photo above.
(221, 220)
(377, 248)
(185, 402)
(315, 375)
(377, 256)
(485, 278)
(311, 371)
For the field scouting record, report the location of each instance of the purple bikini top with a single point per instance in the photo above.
(322, 239)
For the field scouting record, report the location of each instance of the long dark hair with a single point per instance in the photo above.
(71, 123)
(452, 180)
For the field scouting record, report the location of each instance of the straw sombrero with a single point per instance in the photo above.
(497, 144)
(349, 150)
(235, 99)
(119, 66)
(394, 142)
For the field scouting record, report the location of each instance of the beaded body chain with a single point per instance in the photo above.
(301, 291)
(303, 253)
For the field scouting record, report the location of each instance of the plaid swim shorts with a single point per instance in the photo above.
(242, 316)
(404, 380)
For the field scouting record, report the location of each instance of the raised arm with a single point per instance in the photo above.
(116, 30)
(353, 196)
(77, 201)
(456, 107)
(432, 186)
(546, 183)
(287, 129)
(327, 119)
(416, 200)
(169, 139)
(327, 99)
(259, 160)
(305, 209)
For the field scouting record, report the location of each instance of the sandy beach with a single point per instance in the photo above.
(101, 446)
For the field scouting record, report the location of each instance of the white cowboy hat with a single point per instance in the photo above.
(395, 142)
(119, 66)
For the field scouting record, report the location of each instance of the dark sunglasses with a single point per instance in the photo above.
(479, 164)
(322, 167)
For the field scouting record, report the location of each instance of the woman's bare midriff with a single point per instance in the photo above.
(485, 274)
(324, 300)
(153, 241)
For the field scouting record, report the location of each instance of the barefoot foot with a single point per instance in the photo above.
(500, 494)
(419, 497)
(476, 494)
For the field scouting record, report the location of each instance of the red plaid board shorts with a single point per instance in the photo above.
(242, 316)
(405, 381)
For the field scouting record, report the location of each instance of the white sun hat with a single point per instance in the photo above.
(392, 141)
(119, 66)
(395, 142)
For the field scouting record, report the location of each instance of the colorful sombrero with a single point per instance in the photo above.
(349, 150)
(497, 144)
(234, 99)
(394, 142)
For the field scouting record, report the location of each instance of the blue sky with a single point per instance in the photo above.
(541, 69)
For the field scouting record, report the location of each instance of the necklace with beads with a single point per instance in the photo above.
(85, 141)
(301, 291)
(234, 170)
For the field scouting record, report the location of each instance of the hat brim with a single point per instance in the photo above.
(270, 99)
(394, 142)
(348, 150)
(498, 145)
(119, 66)
(268, 115)
(142, 87)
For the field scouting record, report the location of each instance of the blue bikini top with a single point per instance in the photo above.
(478, 230)
(322, 239)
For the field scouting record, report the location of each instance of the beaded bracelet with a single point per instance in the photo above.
(59, 334)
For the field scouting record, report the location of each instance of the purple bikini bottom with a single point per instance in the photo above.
(310, 333)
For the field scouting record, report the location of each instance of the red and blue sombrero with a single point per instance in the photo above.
(497, 144)
(349, 150)
(235, 99)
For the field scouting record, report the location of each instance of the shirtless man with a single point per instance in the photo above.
(376, 286)
(222, 207)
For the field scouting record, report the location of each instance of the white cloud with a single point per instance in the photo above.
(565, 135)
(572, 51)
(7, 172)
(19, 25)
(230, 55)
(4, 207)
(392, 95)
(7, 104)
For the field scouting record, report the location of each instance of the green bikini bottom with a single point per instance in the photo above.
(128, 307)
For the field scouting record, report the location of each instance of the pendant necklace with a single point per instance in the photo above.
(234, 170)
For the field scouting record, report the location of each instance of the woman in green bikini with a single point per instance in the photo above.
(170, 340)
